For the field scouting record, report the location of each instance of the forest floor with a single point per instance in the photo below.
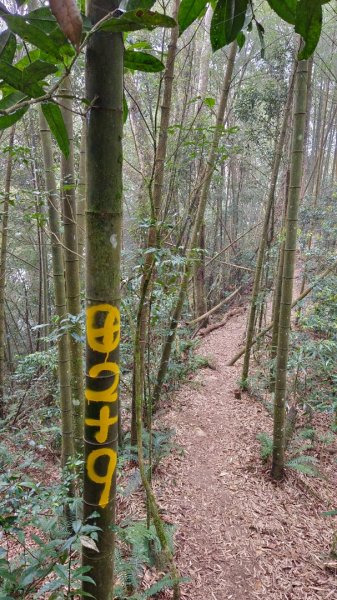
(239, 536)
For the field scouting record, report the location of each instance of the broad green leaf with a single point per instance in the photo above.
(27, 59)
(54, 118)
(228, 20)
(309, 17)
(9, 120)
(140, 61)
(15, 78)
(286, 9)
(7, 46)
(11, 99)
(189, 11)
(137, 19)
(32, 34)
(37, 70)
(42, 18)
(133, 4)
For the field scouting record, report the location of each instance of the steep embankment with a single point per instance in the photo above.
(240, 536)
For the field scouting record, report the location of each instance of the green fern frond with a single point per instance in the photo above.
(305, 464)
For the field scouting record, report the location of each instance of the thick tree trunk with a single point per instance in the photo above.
(296, 171)
(104, 89)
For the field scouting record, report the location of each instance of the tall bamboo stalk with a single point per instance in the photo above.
(264, 235)
(104, 90)
(156, 192)
(3, 261)
(59, 290)
(81, 202)
(296, 170)
(204, 185)
(68, 194)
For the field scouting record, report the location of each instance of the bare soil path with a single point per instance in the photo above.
(240, 536)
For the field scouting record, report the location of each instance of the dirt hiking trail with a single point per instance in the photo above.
(240, 536)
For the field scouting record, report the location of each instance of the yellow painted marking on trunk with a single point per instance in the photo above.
(103, 339)
(103, 423)
(106, 479)
(110, 394)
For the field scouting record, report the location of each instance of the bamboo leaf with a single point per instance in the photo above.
(133, 4)
(241, 39)
(42, 18)
(309, 17)
(31, 34)
(54, 118)
(141, 61)
(136, 20)
(37, 71)
(8, 120)
(7, 46)
(227, 22)
(189, 11)
(286, 9)
(14, 77)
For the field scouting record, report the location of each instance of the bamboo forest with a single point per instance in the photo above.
(168, 299)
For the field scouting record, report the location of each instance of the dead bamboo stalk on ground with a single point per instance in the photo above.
(215, 308)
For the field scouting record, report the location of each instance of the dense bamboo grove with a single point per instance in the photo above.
(163, 164)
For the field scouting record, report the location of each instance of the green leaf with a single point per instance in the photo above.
(11, 99)
(286, 9)
(16, 79)
(133, 4)
(54, 118)
(210, 102)
(228, 20)
(9, 120)
(260, 31)
(37, 71)
(241, 39)
(42, 18)
(32, 34)
(125, 109)
(136, 20)
(141, 61)
(330, 513)
(309, 17)
(189, 11)
(7, 46)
